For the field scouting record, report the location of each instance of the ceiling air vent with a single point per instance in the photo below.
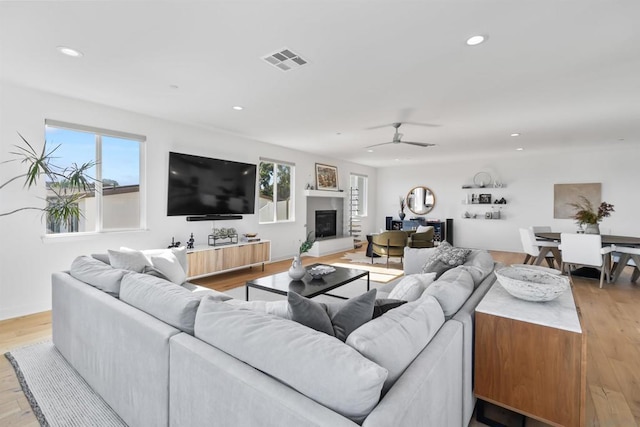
(285, 60)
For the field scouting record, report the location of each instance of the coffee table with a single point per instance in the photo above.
(308, 287)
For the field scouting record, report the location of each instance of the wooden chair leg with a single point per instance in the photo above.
(601, 275)
(636, 274)
(526, 259)
(550, 262)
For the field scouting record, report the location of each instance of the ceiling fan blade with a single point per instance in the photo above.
(419, 144)
(377, 145)
(379, 127)
(429, 125)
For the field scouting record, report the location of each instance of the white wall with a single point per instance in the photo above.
(27, 259)
(529, 178)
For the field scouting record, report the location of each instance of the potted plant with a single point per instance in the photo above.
(587, 214)
(66, 186)
(403, 204)
(297, 271)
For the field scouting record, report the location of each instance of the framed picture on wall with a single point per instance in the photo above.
(326, 177)
(484, 199)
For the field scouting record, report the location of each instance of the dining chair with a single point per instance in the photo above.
(537, 250)
(541, 229)
(585, 250)
(625, 256)
(389, 243)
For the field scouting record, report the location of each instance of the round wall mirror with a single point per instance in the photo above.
(420, 200)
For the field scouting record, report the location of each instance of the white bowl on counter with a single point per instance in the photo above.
(532, 284)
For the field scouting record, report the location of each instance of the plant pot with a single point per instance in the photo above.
(592, 229)
(297, 271)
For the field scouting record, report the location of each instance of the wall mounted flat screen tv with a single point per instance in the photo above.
(206, 186)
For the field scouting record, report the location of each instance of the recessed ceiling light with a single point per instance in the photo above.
(69, 51)
(238, 108)
(476, 40)
(369, 151)
(519, 149)
(515, 134)
(397, 160)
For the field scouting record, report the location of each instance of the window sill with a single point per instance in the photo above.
(62, 237)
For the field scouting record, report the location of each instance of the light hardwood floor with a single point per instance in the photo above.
(611, 318)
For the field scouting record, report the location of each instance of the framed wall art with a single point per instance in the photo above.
(484, 199)
(565, 194)
(326, 177)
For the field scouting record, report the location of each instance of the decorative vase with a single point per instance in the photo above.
(402, 215)
(592, 229)
(297, 271)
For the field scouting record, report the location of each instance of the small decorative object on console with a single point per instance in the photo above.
(190, 242)
(484, 199)
(173, 244)
(532, 284)
(320, 270)
(220, 235)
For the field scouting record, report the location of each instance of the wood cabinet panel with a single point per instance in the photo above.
(217, 259)
(536, 370)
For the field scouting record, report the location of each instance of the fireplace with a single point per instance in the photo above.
(325, 223)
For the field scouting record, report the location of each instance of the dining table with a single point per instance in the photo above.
(607, 240)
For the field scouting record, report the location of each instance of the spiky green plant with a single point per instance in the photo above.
(68, 185)
(587, 214)
(308, 243)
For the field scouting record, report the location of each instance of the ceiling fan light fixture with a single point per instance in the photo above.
(476, 40)
(65, 50)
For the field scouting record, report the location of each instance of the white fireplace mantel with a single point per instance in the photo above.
(324, 193)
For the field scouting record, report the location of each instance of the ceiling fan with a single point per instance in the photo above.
(397, 139)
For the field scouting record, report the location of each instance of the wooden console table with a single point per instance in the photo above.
(531, 357)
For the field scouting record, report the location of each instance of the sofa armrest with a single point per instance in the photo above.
(429, 392)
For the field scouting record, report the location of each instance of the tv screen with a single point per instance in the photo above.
(206, 186)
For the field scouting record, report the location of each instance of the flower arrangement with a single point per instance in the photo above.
(306, 245)
(403, 204)
(587, 214)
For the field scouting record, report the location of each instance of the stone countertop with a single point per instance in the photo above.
(559, 313)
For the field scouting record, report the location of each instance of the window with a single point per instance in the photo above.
(113, 201)
(359, 183)
(276, 191)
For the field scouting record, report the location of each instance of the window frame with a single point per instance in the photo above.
(363, 195)
(292, 197)
(98, 134)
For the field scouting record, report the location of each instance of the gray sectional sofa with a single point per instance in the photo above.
(161, 354)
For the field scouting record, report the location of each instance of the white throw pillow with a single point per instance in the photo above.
(167, 263)
(423, 228)
(128, 260)
(411, 287)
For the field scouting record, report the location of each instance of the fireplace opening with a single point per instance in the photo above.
(326, 223)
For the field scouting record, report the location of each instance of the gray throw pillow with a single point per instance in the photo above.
(339, 319)
(445, 258)
(383, 305)
(310, 313)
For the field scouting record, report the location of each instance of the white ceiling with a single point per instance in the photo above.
(561, 73)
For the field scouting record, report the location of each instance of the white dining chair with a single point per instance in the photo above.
(537, 250)
(541, 229)
(585, 250)
(625, 256)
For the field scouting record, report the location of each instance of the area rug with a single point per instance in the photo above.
(58, 395)
(376, 274)
(361, 258)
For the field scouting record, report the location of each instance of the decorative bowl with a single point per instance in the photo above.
(532, 284)
(250, 234)
(320, 270)
(538, 267)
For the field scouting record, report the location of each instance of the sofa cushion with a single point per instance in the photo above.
(335, 319)
(383, 305)
(445, 258)
(128, 260)
(167, 263)
(452, 289)
(164, 300)
(102, 257)
(414, 259)
(315, 364)
(479, 264)
(180, 253)
(97, 274)
(394, 339)
(276, 308)
(410, 287)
